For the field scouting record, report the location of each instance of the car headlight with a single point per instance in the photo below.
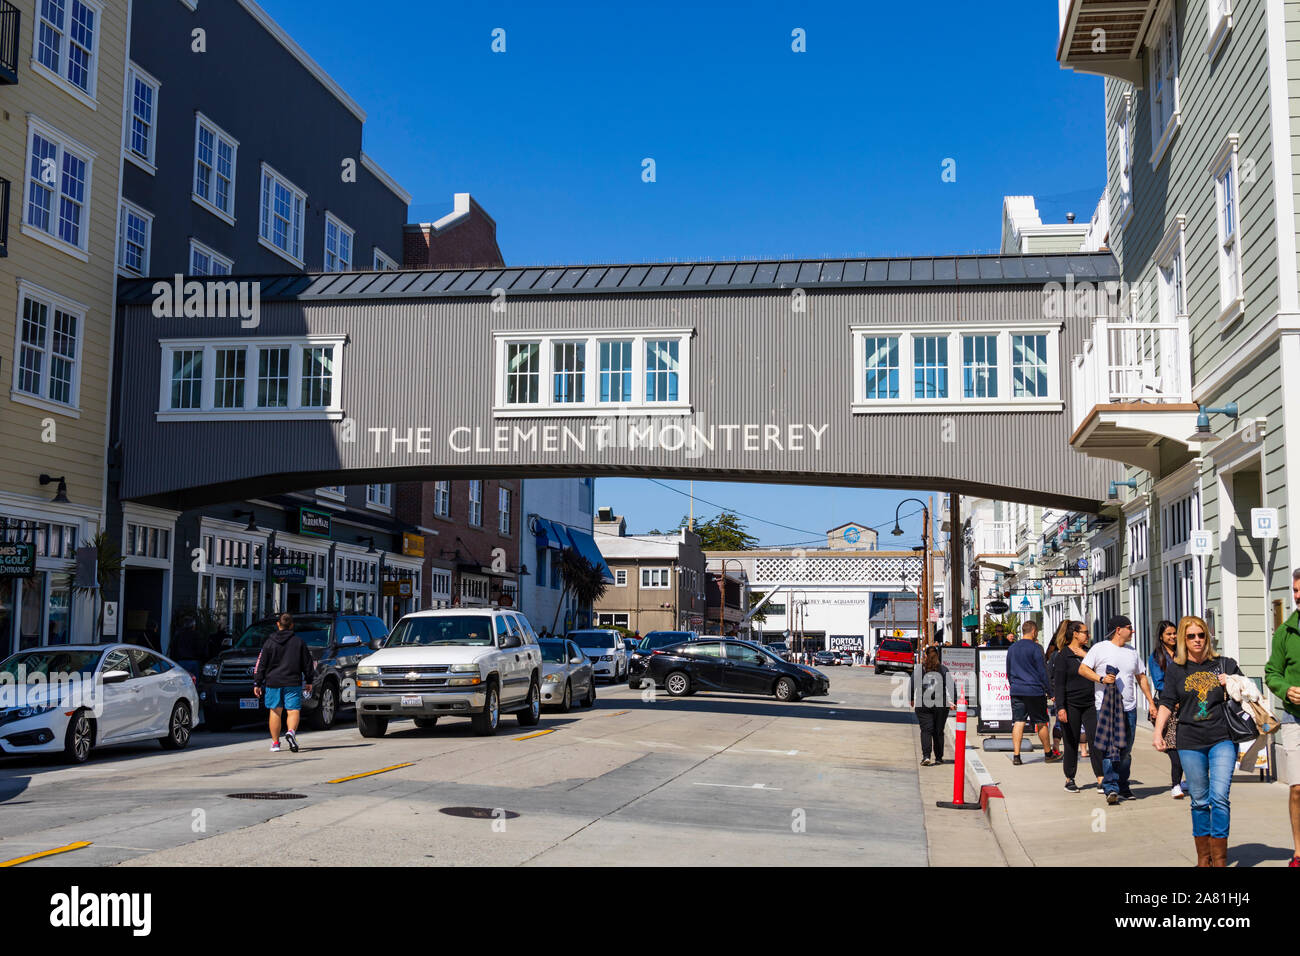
(210, 670)
(368, 682)
(463, 668)
(608, 657)
(364, 671)
(22, 713)
(551, 679)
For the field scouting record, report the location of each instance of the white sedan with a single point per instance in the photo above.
(75, 697)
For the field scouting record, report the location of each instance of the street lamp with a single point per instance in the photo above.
(1203, 433)
(923, 625)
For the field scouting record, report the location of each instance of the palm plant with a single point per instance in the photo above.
(108, 567)
(579, 578)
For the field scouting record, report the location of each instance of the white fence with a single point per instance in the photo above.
(1132, 362)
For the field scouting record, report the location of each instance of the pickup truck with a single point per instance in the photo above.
(895, 654)
(454, 662)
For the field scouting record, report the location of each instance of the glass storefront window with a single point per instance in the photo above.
(60, 615)
(239, 605)
(221, 600)
(257, 599)
(30, 605)
(6, 617)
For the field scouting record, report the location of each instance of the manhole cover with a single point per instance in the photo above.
(479, 813)
(267, 796)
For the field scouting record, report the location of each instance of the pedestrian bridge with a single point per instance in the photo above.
(947, 374)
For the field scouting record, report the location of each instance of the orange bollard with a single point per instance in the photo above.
(959, 762)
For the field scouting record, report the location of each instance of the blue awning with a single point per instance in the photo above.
(586, 546)
(550, 535)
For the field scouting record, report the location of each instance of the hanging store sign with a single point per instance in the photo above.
(289, 573)
(1065, 587)
(315, 523)
(412, 544)
(403, 587)
(17, 559)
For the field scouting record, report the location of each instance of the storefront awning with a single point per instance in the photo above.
(550, 535)
(586, 546)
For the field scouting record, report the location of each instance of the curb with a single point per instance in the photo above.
(981, 786)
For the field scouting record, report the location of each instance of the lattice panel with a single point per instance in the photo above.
(825, 570)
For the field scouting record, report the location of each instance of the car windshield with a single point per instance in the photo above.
(49, 662)
(663, 639)
(314, 633)
(896, 646)
(459, 629)
(554, 652)
(593, 639)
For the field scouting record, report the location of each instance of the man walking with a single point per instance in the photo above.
(1282, 675)
(1027, 676)
(283, 667)
(1130, 675)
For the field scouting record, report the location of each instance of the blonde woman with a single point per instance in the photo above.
(1193, 682)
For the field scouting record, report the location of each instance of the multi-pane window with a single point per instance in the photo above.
(503, 510)
(58, 186)
(476, 503)
(228, 378)
(142, 103)
(979, 366)
(317, 376)
(1228, 224)
(46, 360)
(569, 361)
(1124, 140)
(1164, 80)
(146, 541)
(442, 498)
(620, 578)
(214, 168)
(67, 41)
(880, 357)
(380, 496)
(134, 228)
(1179, 519)
(522, 373)
(616, 371)
(654, 578)
(1137, 540)
(1173, 301)
(187, 378)
(661, 370)
(273, 377)
(206, 262)
(930, 366)
(1029, 366)
(338, 245)
(382, 262)
(282, 214)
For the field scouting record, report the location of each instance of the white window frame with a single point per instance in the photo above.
(62, 144)
(293, 256)
(503, 510)
(51, 300)
(129, 208)
(442, 499)
(1219, 13)
(1171, 270)
(620, 577)
(1230, 262)
(60, 78)
(475, 514)
(1124, 138)
(218, 134)
(336, 492)
(382, 262)
(1004, 400)
(379, 498)
(213, 257)
(1164, 27)
(591, 406)
(148, 162)
(340, 228)
(1174, 556)
(652, 575)
(295, 411)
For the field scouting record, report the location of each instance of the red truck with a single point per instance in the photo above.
(895, 654)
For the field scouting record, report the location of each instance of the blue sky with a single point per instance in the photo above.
(759, 151)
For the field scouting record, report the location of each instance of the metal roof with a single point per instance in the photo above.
(669, 277)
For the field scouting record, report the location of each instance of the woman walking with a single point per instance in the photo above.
(1075, 699)
(1193, 683)
(933, 695)
(1167, 644)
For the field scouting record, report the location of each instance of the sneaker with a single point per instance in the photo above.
(1177, 792)
(1127, 795)
(1112, 798)
(937, 761)
(1295, 862)
(1015, 760)
(292, 740)
(1071, 787)
(925, 762)
(1052, 756)
(275, 746)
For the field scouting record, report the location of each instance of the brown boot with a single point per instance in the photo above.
(1218, 851)
(1202, 851)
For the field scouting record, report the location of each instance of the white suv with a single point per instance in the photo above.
(457, 662)
(605, 650)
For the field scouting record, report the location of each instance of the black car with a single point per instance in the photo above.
(336, 641)
(736, 666)
(826, 659)
(657, 639)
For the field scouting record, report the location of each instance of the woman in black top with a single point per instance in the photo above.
(1166, 646)
(1074, 701)
(1194, 682)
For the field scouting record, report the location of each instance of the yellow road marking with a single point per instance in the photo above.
(539, 733)
(370, 773)
(36, 856)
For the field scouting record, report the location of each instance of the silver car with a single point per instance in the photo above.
(567, 675)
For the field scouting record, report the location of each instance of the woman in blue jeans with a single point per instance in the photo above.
(1194, 682)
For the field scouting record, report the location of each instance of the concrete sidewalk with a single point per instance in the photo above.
(1038, 823)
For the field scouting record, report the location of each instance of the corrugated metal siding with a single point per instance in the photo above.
(753, 360)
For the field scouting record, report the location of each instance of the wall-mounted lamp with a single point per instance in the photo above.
(252, 519)
(1203, 433)
(1115, 486)
(61, 494)
(371, 540)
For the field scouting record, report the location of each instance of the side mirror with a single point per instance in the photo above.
(575, 660)
(115, 677)
(510, 640)
(349, 640)
(377, 643)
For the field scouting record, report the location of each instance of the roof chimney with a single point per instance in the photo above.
(1069, 217)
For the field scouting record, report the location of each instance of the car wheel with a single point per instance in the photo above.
(590, 699)
(322, 718)
(79, 738)
(678, 684)
(485, 723)
(566, 702)
(785, 690)
(372, 726)
(531, 715)
(178, 727)
(426, 723)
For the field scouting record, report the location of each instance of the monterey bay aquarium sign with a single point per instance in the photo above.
(926, 373)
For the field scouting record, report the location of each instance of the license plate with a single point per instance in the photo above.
(248, 703)
(412, 700)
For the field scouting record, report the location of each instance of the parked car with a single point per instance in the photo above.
(736, 666)
(567, 675)
(779, 648)
(658, 639)
(826, 659)
(106, 694)
(605, 648)
(338, 642)
(454, 662)
(895, 654)
(846, 656)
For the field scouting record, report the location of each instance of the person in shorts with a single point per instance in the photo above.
(1282, 675)
(283, 667)
(1030, 688)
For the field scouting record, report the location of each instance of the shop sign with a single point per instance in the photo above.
(403, 588)
(17, 559)
(412, 544)
(314, 523)
(289, 573)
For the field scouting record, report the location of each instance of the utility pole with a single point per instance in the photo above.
(954, 561)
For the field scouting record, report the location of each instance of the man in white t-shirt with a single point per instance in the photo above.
(1116, 653)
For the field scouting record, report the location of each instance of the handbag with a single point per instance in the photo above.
(1241, 722)
(1171, 729)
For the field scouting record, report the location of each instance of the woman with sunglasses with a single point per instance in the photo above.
(1076, 707)
(1167, 644)
(1193, 682)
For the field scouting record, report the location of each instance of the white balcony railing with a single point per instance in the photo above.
(1132, 362)
(995, 537)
